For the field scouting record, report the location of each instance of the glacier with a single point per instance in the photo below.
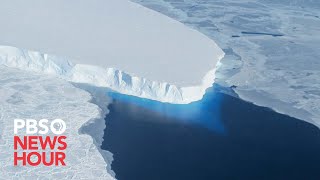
(115, 43)
(112, 78)
(98, 46)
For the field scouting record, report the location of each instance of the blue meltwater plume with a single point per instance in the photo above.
(205, 112)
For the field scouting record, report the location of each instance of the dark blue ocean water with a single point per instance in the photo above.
(219, 137)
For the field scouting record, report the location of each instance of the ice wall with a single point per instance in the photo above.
(103, 77)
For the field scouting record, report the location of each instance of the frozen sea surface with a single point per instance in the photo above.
(272, 48)
(25, 95)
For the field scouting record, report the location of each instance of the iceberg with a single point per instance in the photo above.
(116, 44)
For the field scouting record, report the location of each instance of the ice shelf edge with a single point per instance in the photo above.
(112, 78)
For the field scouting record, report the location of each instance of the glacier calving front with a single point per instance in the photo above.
(103, 77)
(114, 43)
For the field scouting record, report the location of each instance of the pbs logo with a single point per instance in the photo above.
(58, 126)
(32, 126)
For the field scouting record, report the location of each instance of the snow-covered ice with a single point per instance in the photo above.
(115, 44)
(149, 54)
(272, 48)
(26, 95)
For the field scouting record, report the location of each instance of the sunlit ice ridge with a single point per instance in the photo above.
(116, 44)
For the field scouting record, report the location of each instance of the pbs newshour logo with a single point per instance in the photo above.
(35, 147)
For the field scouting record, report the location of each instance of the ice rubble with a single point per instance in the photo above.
(32, 95)
(114, 43)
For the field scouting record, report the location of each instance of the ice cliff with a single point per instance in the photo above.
(103, 77)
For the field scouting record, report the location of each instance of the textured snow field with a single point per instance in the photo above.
(25, 95)
(272, 48)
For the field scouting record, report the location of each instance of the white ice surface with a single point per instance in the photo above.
(26, 95)
(278, 72)
(103, 77)
(116, 34)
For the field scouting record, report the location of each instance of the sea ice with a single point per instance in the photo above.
(25, 95)
(276, 64)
